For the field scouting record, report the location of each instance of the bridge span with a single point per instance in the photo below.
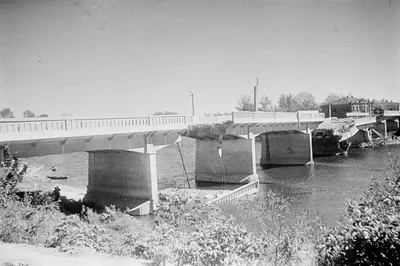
(122, 151)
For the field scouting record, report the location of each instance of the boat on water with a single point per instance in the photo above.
(57, 177)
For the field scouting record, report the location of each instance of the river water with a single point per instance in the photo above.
(323, 188)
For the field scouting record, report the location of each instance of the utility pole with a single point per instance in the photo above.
(255, 96)
(192, 95)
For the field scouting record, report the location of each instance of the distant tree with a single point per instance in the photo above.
(378, 106)
(332, 98)
(287, 103)
(165, 113)
(6, 113)
(305, 101)
(222, 114)
(28, 114)
(245, 103)
(43, 115)
(206, 114)
(266, 105)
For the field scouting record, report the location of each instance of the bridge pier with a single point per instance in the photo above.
(122, 178)
(228, 161)
(286, 148)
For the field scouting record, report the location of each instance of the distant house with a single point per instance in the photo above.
(349, 106)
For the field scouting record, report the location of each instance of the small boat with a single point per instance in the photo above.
(57, 177)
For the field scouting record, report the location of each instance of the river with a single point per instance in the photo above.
(323, 188)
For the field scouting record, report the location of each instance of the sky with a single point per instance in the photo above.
(136, 57)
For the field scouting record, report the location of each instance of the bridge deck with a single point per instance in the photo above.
(20, 130)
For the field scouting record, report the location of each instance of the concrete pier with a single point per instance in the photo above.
(122, 178)
(229, 161)
(286, 148)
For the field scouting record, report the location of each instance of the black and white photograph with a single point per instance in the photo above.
(199, 132)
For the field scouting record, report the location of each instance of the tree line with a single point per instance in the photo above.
(7, 113)
(301, 101)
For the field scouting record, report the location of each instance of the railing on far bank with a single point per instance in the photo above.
(247, 189)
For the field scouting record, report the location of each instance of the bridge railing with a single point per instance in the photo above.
(13, 126)
(391, 113)
(270, 117)
(41, 125)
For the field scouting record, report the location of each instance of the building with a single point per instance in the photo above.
(348, 107)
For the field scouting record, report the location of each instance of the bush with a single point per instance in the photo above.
(23, 223)
(368, 234)
(288, 237)
(11, 173)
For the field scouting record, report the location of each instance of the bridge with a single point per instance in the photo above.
(122, 151)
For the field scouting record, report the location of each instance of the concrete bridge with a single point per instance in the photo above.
(122, 151)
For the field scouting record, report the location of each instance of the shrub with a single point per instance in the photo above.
(23, 223)
(72, 235)
(368, 234)
(288, 237)
(11, 173)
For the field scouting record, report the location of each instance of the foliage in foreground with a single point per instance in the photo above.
(369, 231)
(288, 236)
(11, 172)
(184, 232)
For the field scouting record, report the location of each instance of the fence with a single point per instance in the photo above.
(249, 188)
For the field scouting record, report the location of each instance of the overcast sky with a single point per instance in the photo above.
(133, 58)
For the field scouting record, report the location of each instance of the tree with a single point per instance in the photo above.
(165, 113)
(222, 114)
(332, 98)
(305, 101)
(28, 114)
(266, 105)
(287, 103)
(245, 103)
(43, 115)
(6, 113)
(11, 172)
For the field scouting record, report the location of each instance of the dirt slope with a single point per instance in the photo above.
(38, 256)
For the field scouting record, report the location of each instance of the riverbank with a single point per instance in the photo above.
(27, 255)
